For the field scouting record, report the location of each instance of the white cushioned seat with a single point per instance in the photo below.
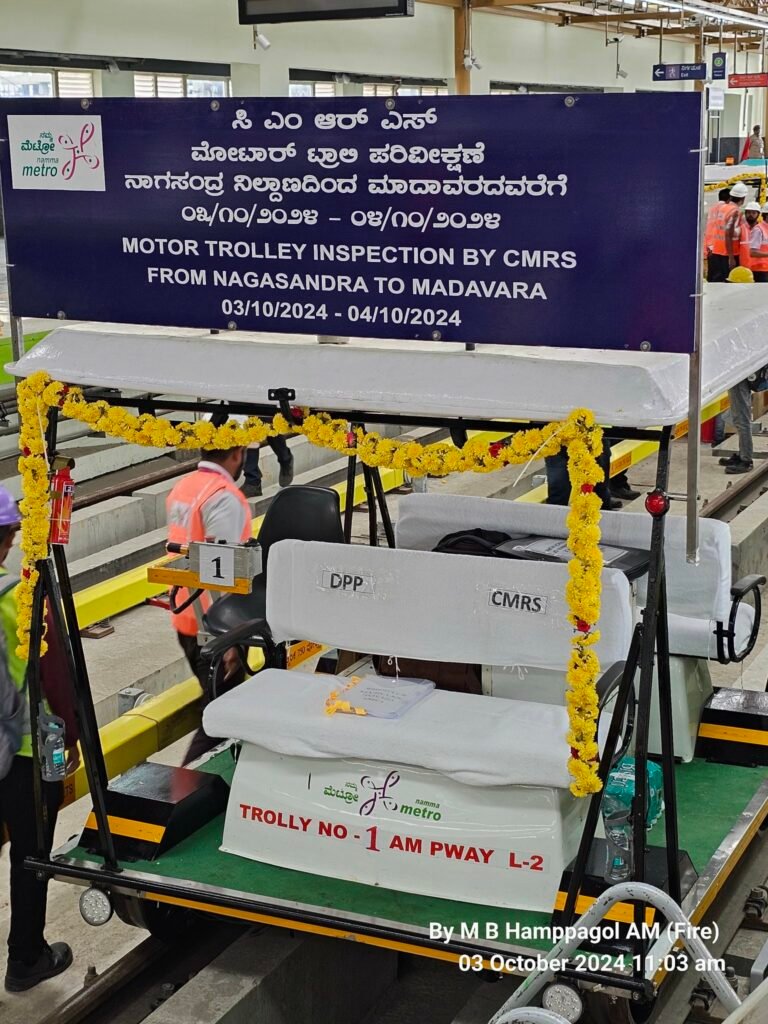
(698, 596)
(419, 604)
(479, 741)
(693, 637)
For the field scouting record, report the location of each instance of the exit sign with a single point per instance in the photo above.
(756, 80)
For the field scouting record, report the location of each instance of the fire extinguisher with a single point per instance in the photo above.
(62, 500)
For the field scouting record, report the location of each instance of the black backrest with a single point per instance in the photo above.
(302, 513)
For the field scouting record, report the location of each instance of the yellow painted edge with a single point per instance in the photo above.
(315, 929)
(191, 580)
(622, 912)
(302, 651)
(709, 897)
(732, 734)
(129, 828)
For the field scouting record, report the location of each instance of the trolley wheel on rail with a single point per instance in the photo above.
(602, 1009)
(164, 921)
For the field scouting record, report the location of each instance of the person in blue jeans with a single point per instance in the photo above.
(252, 486)
(611, 492)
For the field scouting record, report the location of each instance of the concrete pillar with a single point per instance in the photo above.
(269, 77)
(117, 83)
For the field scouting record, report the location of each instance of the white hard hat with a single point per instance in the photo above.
(753, 206)
(739, 191)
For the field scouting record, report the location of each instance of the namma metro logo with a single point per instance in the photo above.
(61, 152)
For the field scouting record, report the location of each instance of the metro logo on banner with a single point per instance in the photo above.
(754, 80)
(56, 152)
(438, 219)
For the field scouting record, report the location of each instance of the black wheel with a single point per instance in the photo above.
(164, 921)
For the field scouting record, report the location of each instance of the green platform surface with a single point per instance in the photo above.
(710, 799)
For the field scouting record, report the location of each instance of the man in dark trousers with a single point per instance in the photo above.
(30, 958)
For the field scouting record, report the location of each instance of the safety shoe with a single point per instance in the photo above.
(612, 504)
(53, 960)
(739, 466)
(729, 460)
(251, 490)
(624, 491)
(286, 473)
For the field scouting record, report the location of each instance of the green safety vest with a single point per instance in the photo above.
(17, 667)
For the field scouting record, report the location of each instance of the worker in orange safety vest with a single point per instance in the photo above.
(723, 198)
(727, 231)
(758, 241)
(207, 504)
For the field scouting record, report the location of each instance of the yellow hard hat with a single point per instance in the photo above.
(741, 275)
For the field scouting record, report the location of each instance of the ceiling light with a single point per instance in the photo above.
(716, 12)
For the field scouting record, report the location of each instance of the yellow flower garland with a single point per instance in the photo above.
(578, 434)
(751, 176)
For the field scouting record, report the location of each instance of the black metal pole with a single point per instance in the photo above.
(381, 496)
(373, 522)
(93, 755)
(647, 659)
(667, 743)
(349, 502)
(34, 696)
(624, 695)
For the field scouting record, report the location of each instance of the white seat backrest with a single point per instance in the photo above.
(443, 607)
(699, 591)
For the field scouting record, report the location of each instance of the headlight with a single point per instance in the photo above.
(95, 906)
(564, 1000)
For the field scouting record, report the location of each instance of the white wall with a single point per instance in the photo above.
(207, 30)
(509, 49)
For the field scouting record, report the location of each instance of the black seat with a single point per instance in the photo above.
(296, 513)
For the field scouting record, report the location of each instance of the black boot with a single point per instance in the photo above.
(53, 960)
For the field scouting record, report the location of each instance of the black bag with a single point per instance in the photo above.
(472, 542)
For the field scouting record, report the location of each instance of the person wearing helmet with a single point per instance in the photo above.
(30, 958)
(726, 236)
(758, 241)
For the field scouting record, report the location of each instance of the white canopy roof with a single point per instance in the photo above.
(641, 389)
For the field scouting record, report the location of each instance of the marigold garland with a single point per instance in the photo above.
(578, 434)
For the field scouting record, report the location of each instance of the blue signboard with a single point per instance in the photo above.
(679, 72)
(719, 66)
(538, 220)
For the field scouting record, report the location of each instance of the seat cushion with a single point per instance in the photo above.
(476, 740)
(232, 610)
(695, 638)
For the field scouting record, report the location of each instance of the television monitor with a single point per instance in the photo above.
(266, 12)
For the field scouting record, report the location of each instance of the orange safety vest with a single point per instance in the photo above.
(725, 213)
(185, 523)
(709, 230)
(761, 262)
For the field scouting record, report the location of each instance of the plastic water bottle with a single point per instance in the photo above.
(618, 837)
(617, 814)
(53, 749)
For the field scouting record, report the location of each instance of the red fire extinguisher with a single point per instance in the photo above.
(62, 500)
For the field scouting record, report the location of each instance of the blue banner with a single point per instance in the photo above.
(530, 220)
